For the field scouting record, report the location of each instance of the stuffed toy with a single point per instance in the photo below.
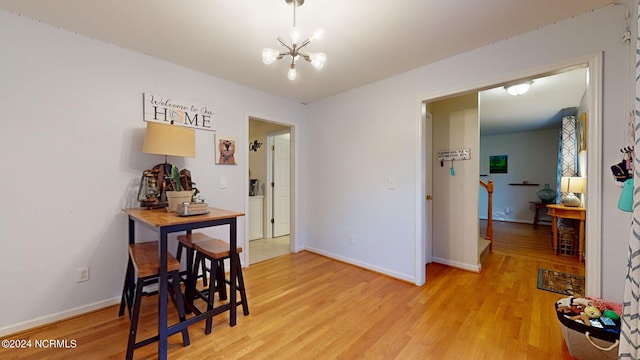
(584, 318)
(592, 312)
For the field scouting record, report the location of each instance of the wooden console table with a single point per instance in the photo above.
(566, 212)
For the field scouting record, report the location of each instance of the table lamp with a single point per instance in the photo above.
(570, 186)
(163, 139)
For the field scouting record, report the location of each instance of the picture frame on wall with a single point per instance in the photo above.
(498, 164)
(225, 147)
(582, 132)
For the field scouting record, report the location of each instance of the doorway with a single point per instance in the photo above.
(269, 189)
(593, 99)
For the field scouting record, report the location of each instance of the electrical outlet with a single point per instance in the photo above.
(391, 183)
(82, 274)
(352, 239)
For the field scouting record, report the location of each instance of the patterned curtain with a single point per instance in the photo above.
(630, 337)
(567, 152)
(567, 166)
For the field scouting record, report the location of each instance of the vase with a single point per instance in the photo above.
(546, 195)
(178, 197)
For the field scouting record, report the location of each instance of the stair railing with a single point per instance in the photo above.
(489, 234)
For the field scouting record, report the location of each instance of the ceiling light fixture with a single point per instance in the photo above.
(316, 59)
(518, 89)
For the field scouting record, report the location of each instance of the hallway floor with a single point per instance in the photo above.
(264, 249)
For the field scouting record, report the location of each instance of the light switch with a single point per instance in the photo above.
(223, 182)
(391, 183)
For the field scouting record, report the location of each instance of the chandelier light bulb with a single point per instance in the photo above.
(269, 55)
(317, 35)
(291, 74)
(295, 36)
(318, 60)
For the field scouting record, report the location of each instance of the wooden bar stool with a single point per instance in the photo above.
(143, 258)
(186, 242)
(217, 251)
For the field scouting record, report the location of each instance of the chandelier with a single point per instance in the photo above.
(294, 50)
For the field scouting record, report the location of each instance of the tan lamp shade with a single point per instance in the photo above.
(573, 184)
(165, 139)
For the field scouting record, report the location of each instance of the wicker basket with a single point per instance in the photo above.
(588, 342)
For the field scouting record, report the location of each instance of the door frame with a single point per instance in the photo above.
(294, 166)
(593, 248)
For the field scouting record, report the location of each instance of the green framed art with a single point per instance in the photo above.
(498, 164)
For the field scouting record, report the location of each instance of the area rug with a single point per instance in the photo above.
(560, 282)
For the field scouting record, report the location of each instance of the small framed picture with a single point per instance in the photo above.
(582, 132)
(225, 149)
(498, 164)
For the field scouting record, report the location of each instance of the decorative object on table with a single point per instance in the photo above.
(179, 195)
(317, 60)
(498, 164)
(546, 195)
(255, 145)
(625, 203)
(225, 150)
(570, 185)
(190, 209)
(163, 139)
(149, 191)
(560, 282)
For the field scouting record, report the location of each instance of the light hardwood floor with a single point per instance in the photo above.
(524, 240)
(306, 306)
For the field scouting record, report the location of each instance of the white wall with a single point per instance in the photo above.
(532, 157)
(455, 219)
(366, 135)
(71, 153)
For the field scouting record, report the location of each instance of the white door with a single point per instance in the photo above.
(281, 185)
(428, 167)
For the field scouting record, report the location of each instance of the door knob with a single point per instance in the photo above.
(429, 197)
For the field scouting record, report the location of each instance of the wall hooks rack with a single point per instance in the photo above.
(446, 155)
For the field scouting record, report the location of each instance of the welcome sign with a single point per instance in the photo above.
(165, 109)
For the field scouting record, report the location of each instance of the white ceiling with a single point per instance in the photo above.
(365, 40)
(542, 107)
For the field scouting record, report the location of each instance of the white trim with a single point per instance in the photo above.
(459, 265)
(268, 191)
(420, 260)
(361, 264)
(62, 315)
(593, 223)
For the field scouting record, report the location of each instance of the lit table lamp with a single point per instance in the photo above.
(571, 186)
(163, 139)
